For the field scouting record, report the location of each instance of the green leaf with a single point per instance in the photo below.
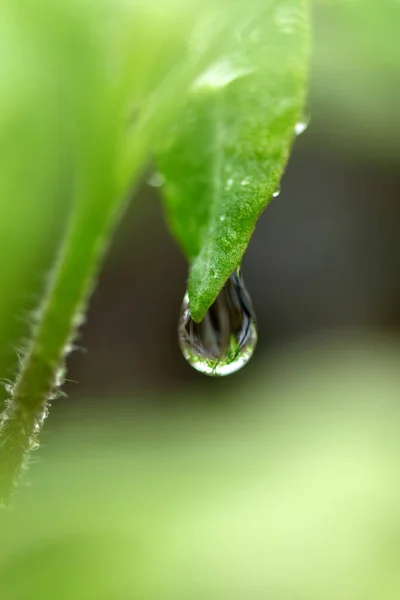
(104, 77)
(224, 157)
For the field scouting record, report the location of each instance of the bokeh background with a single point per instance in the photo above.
(281, 481)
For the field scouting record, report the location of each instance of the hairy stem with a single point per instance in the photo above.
(61, 313)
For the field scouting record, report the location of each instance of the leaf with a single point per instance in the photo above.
(223, 159)
(104, 76)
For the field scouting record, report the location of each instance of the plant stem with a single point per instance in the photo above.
(61, 313)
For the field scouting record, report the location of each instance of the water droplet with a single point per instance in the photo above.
(301, 126)
(276, 192)
(156, 180)
(224, 341)
(220, 74)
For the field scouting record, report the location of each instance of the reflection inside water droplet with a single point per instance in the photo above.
(224, 341)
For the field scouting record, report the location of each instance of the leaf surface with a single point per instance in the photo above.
(224, 156)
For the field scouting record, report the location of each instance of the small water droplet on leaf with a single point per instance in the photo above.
(301, 126)
(276, 192)
(221, 74)
(224, 341)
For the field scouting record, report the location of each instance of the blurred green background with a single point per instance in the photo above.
(280, 482)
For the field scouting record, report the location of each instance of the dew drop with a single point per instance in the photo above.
(276, 192)
(301, 126)
(220, 74)
(224, 341)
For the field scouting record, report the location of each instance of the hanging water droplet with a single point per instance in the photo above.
(156, 180)
(276, 192)
(224, 341)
